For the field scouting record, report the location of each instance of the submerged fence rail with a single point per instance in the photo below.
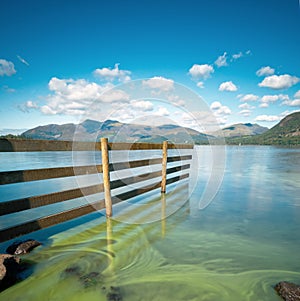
(28, 204)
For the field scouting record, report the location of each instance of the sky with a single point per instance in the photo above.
(65, 61)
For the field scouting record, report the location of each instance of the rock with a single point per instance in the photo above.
(72, 271)
(114, 294)
(90, 279)
(9, 267)
(22, 247)
(86, 279)
(288, 291)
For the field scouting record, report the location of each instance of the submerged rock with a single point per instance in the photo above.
(72, 271)
(90, 279)
(114, 294)
(86, 279)
(9, 268)
(93, 280)
(288, 291)
(22, 247)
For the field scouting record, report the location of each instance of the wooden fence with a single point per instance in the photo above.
(160, 180)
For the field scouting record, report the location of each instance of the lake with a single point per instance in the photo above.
(243, 241)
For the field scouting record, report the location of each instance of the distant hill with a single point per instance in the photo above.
(91, 130)
(241, 129)
(51, 132)
(287, 127)
(286, 132)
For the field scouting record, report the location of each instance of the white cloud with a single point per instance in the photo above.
(74, 97)
(215, 105)
(114, 96)
(5, 131)
(162, 111)
(113, 74)
(245, 113)
(268, 118)
(22, 60)
(200, 85)
(279, 81)
(292, 103)
(228, 86)
(8, 89)
(31, 105)
(246, 109)
(264, 105)
(202, 121)
(222, 60)
(248, 97)
(77, 90)
(220, 112)
(143, 105)
(297, 94)
(269, 98)
(265, 71)
(6, 68)
(272, 118)
(27, 106)
(176, 100)
(237, 56)
(245, 106)
(122, 114)
(201, 71)
(273, 98)
(159, 83)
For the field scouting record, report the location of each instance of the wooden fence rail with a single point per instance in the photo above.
(160, 180)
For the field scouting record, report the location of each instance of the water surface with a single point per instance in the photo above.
(236, 249)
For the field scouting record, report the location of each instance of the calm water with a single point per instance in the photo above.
(237, 248)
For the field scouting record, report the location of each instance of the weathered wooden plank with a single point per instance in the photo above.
(45, 222)
(146, 146)
(146, 162)
(27, 145)
(47, 199)
(135, 192)
(16, 176)
(177, 178)
(178, 168)
(179, 158)
(133, 164)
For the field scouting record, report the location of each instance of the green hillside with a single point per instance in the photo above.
(286, 132)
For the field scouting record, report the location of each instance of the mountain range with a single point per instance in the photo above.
(115, 131)
(286, 132)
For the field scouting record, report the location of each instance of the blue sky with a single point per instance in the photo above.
(58, 57)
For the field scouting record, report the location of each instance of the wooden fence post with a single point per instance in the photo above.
(164, 166)
(106, 179)
(163, 215)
